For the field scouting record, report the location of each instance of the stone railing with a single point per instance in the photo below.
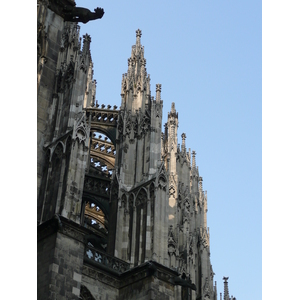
(97, 257)
(94, 184)
(103, 115)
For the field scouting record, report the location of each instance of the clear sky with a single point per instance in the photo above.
(207, 55)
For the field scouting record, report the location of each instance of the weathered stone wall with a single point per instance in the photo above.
(68, 257)
(50, 29)
(45, 266)
(146, 281)
(148, 288)
(100, 285)
(59, 264)
(64, 73)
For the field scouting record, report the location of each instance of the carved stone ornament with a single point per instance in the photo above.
(202, 239)
(206, 289)
(73, 234)
(128, 123)
(191, 246)
(158, 113)
(123, 201)
(58, 152)
(172, 244)
(135, 126)
(141, 198)
(65, 76)
(145, 124)
(172, 191)
(120, 125)
(162, 183)
(41, 40)
(179, 201)
(80, 134)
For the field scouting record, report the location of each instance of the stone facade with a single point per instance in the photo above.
(121, 211)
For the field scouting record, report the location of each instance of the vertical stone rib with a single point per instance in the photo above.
(137, 236)
(148, 232)
(141, 235)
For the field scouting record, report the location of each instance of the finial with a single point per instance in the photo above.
(138, 37)
(158, 91)
(183, 142)
(173, 107)
(138, 33)
(194, 159)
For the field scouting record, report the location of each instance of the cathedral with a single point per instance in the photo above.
(121, 211)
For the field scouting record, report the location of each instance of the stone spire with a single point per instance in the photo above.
(135, 87)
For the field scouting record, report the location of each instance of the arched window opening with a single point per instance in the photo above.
(85, 294)
(102, 155)
(95, 217)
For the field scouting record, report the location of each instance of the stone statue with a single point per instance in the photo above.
(81, 14)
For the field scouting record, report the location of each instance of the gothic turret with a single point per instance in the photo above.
(140, 174)
(139, 121)
(135, 89)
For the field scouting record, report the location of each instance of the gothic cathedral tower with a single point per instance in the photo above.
(123, 215)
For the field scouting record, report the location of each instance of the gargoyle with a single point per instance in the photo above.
(184, 282)
(81, 14)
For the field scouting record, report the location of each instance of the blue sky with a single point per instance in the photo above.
(207, 55)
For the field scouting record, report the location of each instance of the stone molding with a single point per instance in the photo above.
(120, 280)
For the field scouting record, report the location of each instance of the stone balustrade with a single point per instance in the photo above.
(97, 257)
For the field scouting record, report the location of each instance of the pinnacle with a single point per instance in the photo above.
(173, 110)
(138, 37)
